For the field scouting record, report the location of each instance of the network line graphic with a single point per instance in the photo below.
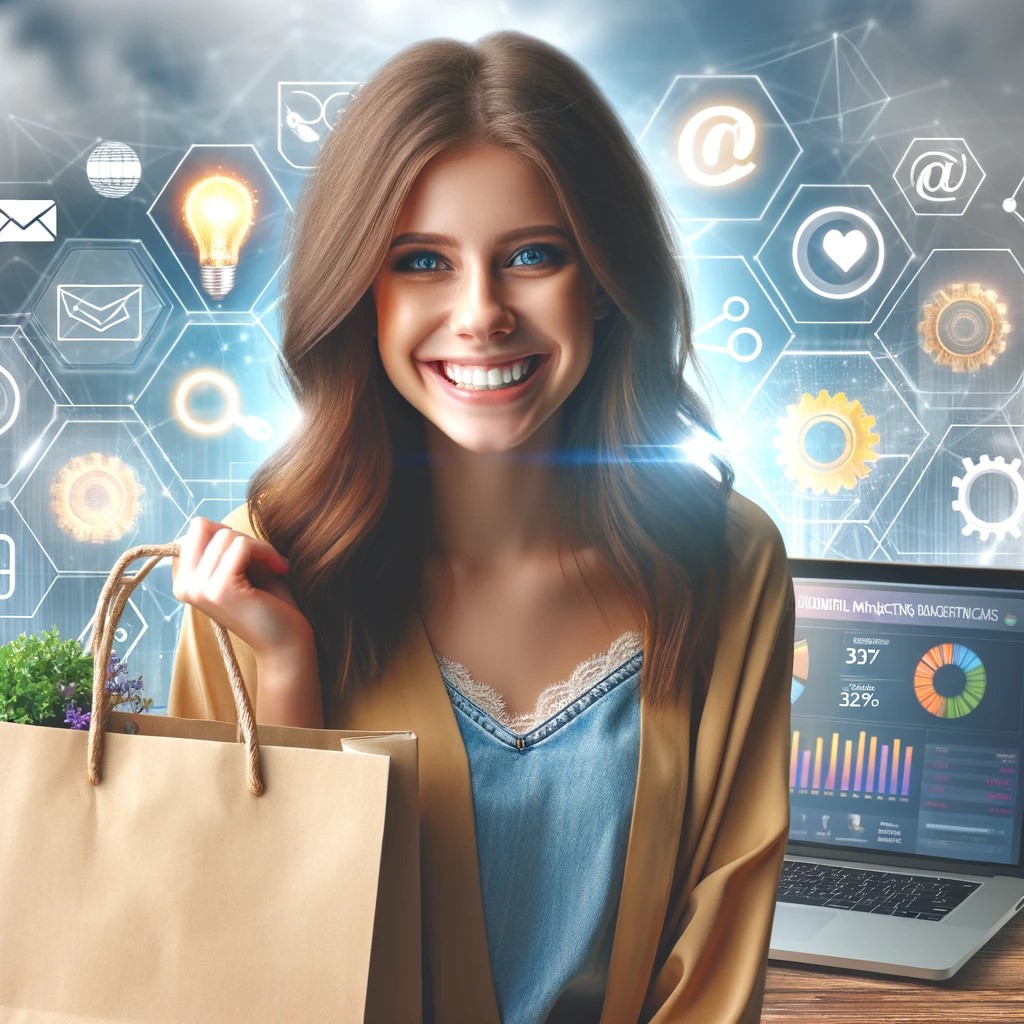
(863, 350)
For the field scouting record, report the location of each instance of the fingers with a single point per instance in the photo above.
(237, 581)
(211, 556)
(182, 567)
(202, 549)
(232, 559)
(192, 546)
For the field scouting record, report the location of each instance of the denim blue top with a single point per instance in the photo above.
(553, 808)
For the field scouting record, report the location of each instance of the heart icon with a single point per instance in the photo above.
(844, 250)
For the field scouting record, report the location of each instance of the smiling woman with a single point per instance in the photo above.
(494, 296)
(493, 540)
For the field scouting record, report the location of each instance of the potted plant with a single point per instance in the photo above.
(47, 680)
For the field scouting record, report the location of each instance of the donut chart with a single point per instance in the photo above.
(956, 705)
(801, 665)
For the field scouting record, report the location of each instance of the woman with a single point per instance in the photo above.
(493, 540)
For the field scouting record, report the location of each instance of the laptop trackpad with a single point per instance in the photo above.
(797, 924)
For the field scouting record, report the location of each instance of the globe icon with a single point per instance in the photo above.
(113, 169)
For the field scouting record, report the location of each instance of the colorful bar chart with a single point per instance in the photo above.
(869, 767)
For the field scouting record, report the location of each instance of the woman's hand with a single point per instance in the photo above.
(238, 581)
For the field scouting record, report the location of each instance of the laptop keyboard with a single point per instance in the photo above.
(871, 892)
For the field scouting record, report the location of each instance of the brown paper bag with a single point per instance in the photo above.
(170, 870)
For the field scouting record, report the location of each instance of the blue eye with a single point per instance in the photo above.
(422, 261)
(535, 256)
(425, 261)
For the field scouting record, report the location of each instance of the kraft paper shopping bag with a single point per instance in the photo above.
(170, 870)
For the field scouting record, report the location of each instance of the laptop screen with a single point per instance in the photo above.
(908, 712)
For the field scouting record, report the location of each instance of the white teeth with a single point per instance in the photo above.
(492, 378)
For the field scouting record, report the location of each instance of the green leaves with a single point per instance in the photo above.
(39, 674)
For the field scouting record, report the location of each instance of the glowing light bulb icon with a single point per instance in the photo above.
(219, 214)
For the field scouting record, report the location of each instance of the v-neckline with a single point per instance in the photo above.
(554, 698)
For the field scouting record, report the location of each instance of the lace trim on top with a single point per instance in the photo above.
(552, 700)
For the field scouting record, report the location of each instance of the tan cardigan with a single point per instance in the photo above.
(709, 825)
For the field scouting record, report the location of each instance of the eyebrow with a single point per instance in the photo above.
(420, 238)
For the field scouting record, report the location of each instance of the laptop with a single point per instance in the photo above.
(907, 740)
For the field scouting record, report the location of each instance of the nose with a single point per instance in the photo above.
(480, 311)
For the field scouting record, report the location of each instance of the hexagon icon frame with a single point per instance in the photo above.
(323, 117)
(129, 428)
(782, 124)
(11, 559)
(925, 212)
(732, 318)
(896, 277)
(1002, 546)
(132, 606)
(166, 298)
(957, 399)
(9, 386)
(205, 307)
(243, 416)
(754, 444)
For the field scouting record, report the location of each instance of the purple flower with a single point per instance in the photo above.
(118, 684)
(77, 719)
(68, 691)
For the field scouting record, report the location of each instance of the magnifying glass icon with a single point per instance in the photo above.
(735, 309)
(254, 427)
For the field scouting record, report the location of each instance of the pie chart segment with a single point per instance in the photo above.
(955, 705)
(801, 665)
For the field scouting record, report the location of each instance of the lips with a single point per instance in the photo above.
(489, 361)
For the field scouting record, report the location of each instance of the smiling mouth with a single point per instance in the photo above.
(469, 377)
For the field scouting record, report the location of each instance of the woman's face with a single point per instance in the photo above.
(485, 313)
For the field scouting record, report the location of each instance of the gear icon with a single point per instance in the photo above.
(962, 503)
(834, 410)
(964, 327)
(95, 498)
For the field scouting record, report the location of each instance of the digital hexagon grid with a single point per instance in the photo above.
(844, 195)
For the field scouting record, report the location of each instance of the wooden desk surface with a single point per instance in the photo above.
(989, 987)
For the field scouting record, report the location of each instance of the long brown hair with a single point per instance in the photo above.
(346, 497)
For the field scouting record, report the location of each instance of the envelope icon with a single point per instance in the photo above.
(28, 220)
(99, 312)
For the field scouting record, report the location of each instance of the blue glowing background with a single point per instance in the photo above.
(101, 325)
